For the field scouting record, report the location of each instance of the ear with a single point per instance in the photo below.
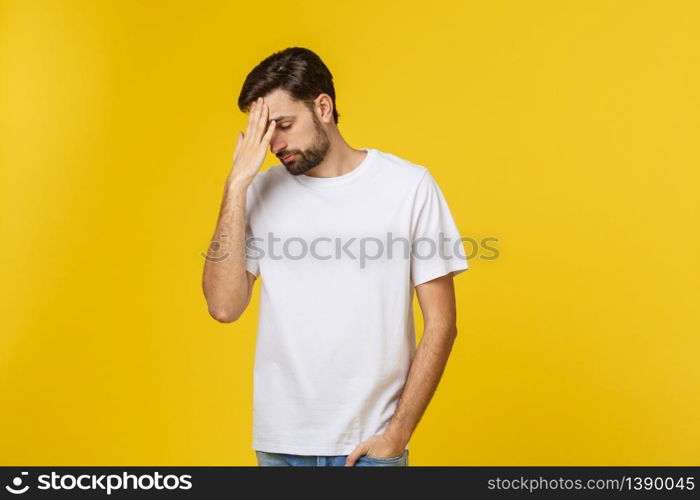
(324, 103)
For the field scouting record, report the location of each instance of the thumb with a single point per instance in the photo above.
(360, 450)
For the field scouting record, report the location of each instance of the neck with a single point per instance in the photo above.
(340, 160)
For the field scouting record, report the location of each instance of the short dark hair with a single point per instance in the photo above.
(297, 70)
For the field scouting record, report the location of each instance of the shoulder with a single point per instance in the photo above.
(401, 170)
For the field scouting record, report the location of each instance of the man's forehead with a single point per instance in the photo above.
(281, 106)
(280, 100)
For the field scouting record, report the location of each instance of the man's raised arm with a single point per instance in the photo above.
(226, 283)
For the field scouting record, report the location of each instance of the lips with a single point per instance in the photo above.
(287, 158)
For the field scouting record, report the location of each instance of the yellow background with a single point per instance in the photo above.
(566, 130)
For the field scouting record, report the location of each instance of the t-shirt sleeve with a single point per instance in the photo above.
(436, 248)
(252, 255)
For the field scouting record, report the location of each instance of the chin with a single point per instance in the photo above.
(295, 172)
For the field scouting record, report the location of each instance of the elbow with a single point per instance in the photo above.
(224, 315)
(450, 331)
(453, 332)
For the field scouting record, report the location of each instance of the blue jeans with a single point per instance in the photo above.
(283, 459)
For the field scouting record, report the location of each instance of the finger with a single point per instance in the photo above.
(258, 108)
(251, 119)
(256, 133)
(268, 135)
(264, 113)
(261, 119)
(354, 455)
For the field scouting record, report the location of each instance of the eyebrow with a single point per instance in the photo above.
(280, 118)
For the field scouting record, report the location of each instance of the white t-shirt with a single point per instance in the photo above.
(338, 259)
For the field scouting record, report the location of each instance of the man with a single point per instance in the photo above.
(340, 237)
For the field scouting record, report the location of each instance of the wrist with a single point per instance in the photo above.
(237, 184)
(397, 433)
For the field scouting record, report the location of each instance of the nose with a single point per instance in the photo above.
(277, 146)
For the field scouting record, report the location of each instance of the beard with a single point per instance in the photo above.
(312, 156)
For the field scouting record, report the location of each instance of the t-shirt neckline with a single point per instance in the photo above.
(338, 180)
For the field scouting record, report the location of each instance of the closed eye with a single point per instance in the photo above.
(285, 127)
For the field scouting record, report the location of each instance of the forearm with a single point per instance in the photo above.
(224, 281)
(424, 375)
